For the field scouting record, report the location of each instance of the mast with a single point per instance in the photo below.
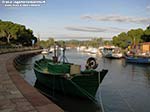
(63, 58)
(55, 58)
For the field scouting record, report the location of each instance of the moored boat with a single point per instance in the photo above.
(136, 55)
(117, 55)
(137, 59)
(68, 78)
(44, 51)
(111, 52)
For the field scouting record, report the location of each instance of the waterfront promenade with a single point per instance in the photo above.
(16, 95)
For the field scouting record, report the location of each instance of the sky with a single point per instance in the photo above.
(78, 19)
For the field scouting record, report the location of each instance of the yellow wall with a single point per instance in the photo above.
(145, 48)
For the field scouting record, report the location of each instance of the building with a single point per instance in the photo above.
(145, 47)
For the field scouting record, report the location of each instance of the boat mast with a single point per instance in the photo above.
(55, 57)
(64, 56)
(64, 50)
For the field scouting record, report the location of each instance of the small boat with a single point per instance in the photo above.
(117, 55)
(68, 78)
(94, 51)
(111, 52)
(51, 50)
(137, 59)
(81, 48)
(135, 55)
(44, 51)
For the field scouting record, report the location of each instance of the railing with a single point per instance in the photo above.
(8, 49)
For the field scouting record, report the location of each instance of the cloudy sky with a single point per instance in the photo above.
(80, 19)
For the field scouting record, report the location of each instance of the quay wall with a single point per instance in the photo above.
(16, 95)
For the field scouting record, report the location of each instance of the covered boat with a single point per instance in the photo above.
(68, 78)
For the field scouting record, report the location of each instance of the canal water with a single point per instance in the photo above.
(126, 87)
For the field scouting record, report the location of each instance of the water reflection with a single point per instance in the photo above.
(68, 103)
(147, 73)
(126, 87)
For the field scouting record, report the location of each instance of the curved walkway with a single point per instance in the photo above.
(16, 95)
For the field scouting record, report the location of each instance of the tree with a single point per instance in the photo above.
(47, 43)
(25, 36)
(9, 30)
(135, 35)
(16, 32)
(132, 37)
(146, 36)
(121, 40)
(95, 42)
(50, 41)
(107, 42)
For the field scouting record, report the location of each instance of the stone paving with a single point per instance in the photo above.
(16, 95)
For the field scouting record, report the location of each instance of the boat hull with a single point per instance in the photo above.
(141, 60)
(110, 53)
(113, 56)
(81, 85)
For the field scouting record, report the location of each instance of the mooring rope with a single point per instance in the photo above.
(130, 107)
(84, 92)
(101, 101)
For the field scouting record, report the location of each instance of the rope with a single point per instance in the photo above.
(131, 109)
(100, 98)
(84, 92)
(38, 66)
(101, 101)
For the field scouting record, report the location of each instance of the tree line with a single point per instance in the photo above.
(132, 37)
(123, 40)
(12, 33)
(94, 42)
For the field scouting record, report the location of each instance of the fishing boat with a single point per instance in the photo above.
(137, 59)
(68, 78)
(136, 54)
(111, 52)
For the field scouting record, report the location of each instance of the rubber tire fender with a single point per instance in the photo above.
(92, 63)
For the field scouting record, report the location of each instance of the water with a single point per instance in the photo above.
(126, 87)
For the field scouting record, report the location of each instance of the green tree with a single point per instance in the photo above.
(146, 36)
(50, 42)
(47, 43)
(95, 42)
(121, 40)
(108, 42)
(16, 32)
(132, 37)
(135, 35)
